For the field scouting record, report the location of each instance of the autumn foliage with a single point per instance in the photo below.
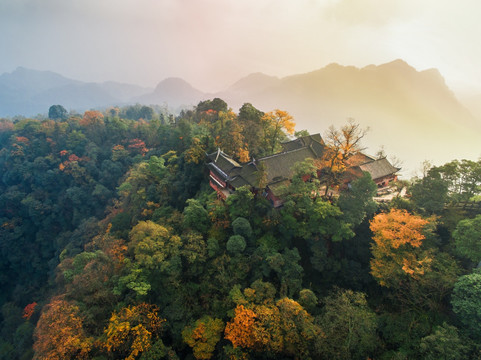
(113, 217)
(92, 118)
(275, 125)
(241, 331)
(280, 328)
(59, 334)
(29, 310)
(132, 330)
(398, 237)
(203, 336)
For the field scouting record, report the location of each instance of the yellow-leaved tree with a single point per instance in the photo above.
(132, 330)
(275, 125)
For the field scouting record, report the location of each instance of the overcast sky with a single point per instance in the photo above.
(212, 43)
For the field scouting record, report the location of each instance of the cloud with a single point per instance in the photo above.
(375, 13)
(212, 43)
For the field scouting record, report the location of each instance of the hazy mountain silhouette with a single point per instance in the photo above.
(30, 92)
(34, 81)
(253, 84)
(175, 93)
(413, 114)
(473, 103)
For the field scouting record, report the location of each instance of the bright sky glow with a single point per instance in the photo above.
(212, 43)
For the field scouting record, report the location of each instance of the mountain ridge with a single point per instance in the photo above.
(399, 103)
(174, 92)
(29, 92)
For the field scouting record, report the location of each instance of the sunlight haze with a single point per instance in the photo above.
(213, 43)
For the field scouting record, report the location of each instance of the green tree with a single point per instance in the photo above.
(466, 302)
(196, 217)
(349, 326)
(467, 237)
(305, 214)
(236, 244)
(240, 203)
(242, 227)
(146, 112)
(57, 112)
(308, 299)
(215, 104)
(203, 336)
(250, 120)
(289, 272)
(356, 203)
(431, 192)
(154, 247)
(443, 344)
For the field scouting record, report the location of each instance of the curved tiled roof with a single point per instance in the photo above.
(379, 168)
(281, 166)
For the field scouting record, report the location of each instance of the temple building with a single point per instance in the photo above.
(381, 170)
(267, 175)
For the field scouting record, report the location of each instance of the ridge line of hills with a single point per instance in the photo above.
(26, 92)
(397, 102)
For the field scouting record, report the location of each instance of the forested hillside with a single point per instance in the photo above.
(113, 246)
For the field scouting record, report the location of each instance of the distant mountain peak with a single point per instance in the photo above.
(397, 65)
(174, 92)
(259, 75)
(173, 83)
(434, 73)
(23, 71)
(398, 62)
(254, 82)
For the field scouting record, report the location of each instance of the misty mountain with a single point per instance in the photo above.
(413, 114)
(33, 81)
(253, 84)
(175, 93)
(473, 103)
(29, 92)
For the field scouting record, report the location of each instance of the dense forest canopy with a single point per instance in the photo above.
(113, 246)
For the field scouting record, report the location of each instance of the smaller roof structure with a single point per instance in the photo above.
(359, 158)
(379, 168)
(222, 164)
(315, 142)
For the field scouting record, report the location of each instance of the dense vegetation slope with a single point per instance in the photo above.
(113, 246)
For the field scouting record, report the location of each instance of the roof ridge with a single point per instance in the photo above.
(283, 152)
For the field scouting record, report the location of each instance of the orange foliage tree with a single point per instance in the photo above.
(92, 118)
(240, 331)
(29, 310)
(131, 330)
(396, 251)
(59, 334)
(280, 328)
